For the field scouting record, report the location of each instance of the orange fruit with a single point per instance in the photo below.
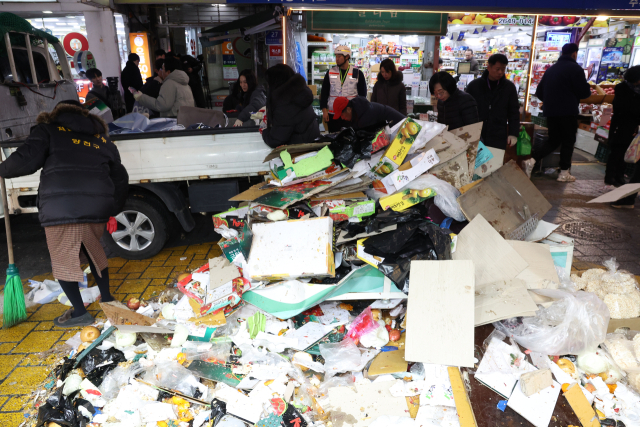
(467, 20)
(495, 21)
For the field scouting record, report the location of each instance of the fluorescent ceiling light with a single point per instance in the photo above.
(46, 11)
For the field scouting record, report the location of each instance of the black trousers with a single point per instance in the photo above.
(635, 179)
(562, 133)
(616, 165)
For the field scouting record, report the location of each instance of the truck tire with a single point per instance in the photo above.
(142, 229)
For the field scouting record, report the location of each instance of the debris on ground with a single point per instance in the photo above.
(369, 281)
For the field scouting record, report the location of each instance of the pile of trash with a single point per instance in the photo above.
(400, 277)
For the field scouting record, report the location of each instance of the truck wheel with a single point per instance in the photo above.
(142, 229)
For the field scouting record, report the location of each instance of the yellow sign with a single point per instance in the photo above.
(140, 45)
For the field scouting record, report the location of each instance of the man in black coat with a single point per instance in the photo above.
(498, 107)
(562, 87)
(131, 77)
(362, 114)
(192, 67)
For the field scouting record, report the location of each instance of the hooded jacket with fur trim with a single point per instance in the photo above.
(290, 116)
(82, 178)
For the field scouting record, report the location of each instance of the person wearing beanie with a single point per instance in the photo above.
(131, 77)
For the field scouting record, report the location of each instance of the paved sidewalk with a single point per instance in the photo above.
(26, 350)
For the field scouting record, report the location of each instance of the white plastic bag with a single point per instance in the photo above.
(427, 133)
(342, 356)
(576, 322)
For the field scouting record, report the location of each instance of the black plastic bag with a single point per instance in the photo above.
(292, 417)
(98, 363)
(390, 244)
(349, 146)
(440, 239)
(218, 410)
(390, 217)
(58, 409)
(63, 370)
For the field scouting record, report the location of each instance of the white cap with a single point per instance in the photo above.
(342, 50)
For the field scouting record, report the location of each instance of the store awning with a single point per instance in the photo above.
(378, 22)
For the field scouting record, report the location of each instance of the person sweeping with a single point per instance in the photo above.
(82, 184)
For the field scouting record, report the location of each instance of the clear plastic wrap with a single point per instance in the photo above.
(219, 351)
(576, 322)
(117, 379)
(335, 381)
(171, 374)
(339, 357)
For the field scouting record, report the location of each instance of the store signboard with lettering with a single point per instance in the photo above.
(140, 44)
(382, 22)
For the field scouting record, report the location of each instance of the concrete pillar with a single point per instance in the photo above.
(103, 41)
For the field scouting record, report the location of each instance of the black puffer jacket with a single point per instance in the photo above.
(458, 110)
(290, 116)
(245, 104)
(371, 115)
(391, 93)
(562, 87)
(498, 108)
(82, 179)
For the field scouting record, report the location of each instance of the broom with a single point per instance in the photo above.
(15, 309)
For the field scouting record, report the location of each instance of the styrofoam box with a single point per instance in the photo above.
(287, 250)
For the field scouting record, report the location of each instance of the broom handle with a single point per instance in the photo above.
(7, 223)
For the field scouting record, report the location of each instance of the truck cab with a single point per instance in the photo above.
(172, 175)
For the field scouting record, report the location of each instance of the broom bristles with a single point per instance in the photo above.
(15, 308)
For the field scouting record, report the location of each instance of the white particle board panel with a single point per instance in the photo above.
(440, 313)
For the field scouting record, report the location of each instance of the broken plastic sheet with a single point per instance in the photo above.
(292, 297)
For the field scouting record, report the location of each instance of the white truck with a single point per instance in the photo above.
(171, 174)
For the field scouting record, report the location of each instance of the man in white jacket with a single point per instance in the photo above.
(174, 92)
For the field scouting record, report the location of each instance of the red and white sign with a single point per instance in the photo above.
(74, 42)
(275, 51)
(193, 47)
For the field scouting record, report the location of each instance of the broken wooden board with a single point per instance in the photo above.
(360, 408)
(471, 135)
(506, 198)
(617, 194)
(503, 299)
(541, 270)
(454, 171)
(440, 310)
(581, 407)
(501, 262)
(463, 405)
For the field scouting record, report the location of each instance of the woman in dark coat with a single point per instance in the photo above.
(455, 107)
(290, 116)
(131, 77)
(624, 127)
(246, 97)
(82, 184)
(389, 89)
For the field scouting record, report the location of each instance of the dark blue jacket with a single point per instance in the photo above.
(370, 115)
(562, 87)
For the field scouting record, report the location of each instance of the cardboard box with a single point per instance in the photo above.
(585, 126)
(561, 250)
(294, 249)
(372, 260)
(408, 172)
(405, 199)
(633, 324)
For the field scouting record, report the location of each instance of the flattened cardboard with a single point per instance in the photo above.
(342, 239)
(454, 171)
(617, 194)
(502, 300)
(346, 196)
(127, 320)
(471, 135)
(492, 165)
(501, 262)
(581, 407)
(252, 193)
(390, 362)
(441, 310)
(310, 165)
(541, 267)
(463, 405)
(633, 324)
(506, 199)
(294, 149)
(537, 408)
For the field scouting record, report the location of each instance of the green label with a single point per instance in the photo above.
(383, 22)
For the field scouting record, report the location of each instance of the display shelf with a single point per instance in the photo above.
(319, 44)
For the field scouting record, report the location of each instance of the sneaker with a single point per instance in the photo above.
(565, 176)
(66, 321)
(528, 166)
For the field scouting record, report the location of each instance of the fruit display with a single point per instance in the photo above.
(569, 21)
